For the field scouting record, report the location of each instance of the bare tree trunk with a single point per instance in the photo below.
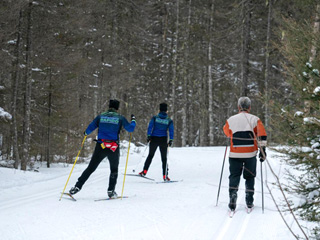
(15, 84)
(203, 109)
(101, 76)
(185, 132)
(190, 135)
(316, 27)
(210, 93)
(163, 66)
(266, 73)
(175, 57)
(49, 120)
(246, 28)
(96, 95)
(27, 98)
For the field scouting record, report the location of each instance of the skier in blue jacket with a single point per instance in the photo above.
(109, 125)
(158, 137)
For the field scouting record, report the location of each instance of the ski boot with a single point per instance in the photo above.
(233, 201)
(74, 190)
(249, 200)
(166, 178)
(143, 173)
(112, 194)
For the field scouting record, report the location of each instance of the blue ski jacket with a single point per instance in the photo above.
(159, 125)
(110, 124)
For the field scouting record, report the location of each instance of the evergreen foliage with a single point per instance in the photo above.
(299, 122)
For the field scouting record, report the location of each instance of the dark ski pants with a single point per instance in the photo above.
(98, 155)
(156, 142)
(245, 166)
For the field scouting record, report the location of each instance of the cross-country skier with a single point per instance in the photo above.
(158, 137)
(247, 134)
(109, 125)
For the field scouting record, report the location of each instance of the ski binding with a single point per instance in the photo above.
(71, 197)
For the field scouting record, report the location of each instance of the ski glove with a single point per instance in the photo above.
(148, 139)
(133, 118)
(170, 143)
(262, 154)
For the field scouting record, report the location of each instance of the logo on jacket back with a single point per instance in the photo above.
(162, 121)
(111, 120)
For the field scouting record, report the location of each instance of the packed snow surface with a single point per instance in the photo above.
(30, 208)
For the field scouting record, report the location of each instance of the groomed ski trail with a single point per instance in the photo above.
(183, 211)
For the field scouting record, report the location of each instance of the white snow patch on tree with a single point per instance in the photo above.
(316, 71)
(298, 114)
(316, 90)
(5, 115)
(316, 145)
(12, 42)
(313, 194)
(310, 120)
(106, 65)
(310, 185)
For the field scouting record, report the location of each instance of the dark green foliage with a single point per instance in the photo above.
(299, 121)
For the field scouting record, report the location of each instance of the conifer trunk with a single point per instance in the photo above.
(210, 93)
(246, 28)
(15, 85)
(175, 57)
(27, 95)
(266, 73)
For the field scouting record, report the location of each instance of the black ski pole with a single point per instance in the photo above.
(262, 189)
(225, 153)
(167, 161)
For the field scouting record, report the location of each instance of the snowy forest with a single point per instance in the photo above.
(61, 62)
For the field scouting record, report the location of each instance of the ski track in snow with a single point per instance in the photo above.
(179, 211)
(41, 195)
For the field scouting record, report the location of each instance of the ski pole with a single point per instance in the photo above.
(167, 161)
(262, 189)
(125, 170)
(73, 167)
(224, 158)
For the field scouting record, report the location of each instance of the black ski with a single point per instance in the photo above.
(170, 181)
(104, 199)
(71, 197)
(138, 175)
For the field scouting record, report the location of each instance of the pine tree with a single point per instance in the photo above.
(299, 122)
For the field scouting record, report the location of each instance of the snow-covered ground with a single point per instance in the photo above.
(30, 206)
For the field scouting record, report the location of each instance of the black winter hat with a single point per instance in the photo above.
(114, 104)
(163, 107)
